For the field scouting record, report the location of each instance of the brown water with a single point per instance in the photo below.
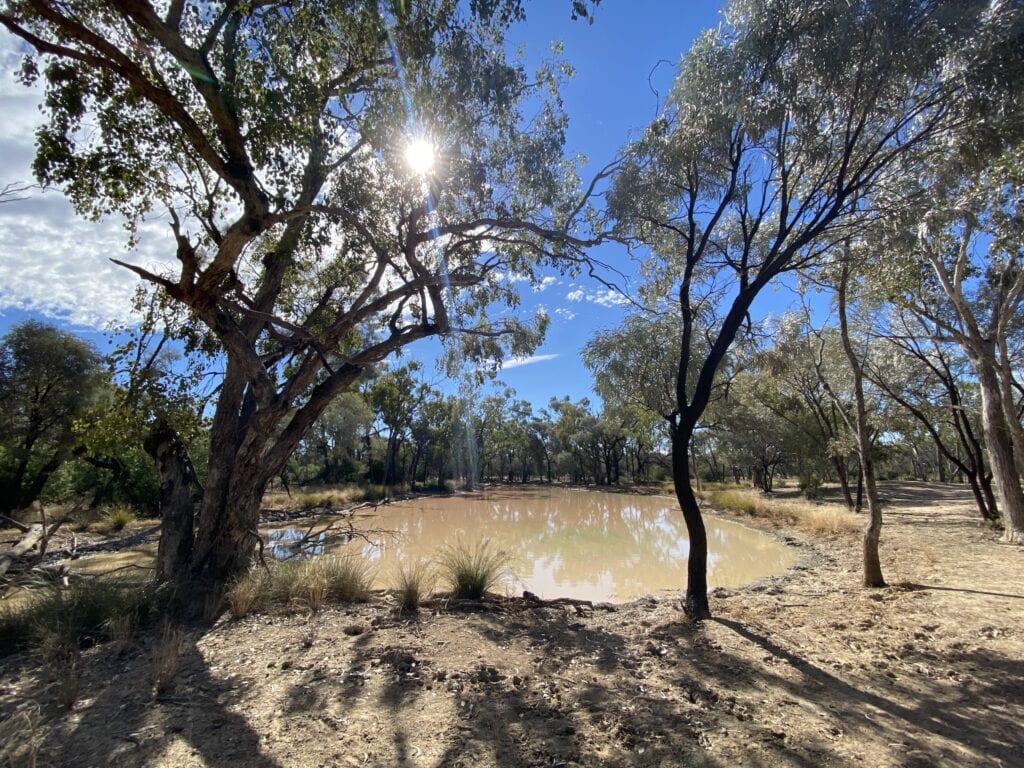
(564, 543)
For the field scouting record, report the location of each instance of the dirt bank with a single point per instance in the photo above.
(804, 670)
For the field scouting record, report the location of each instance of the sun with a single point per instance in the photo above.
(419, 155)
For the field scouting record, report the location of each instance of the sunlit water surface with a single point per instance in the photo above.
(561, 542)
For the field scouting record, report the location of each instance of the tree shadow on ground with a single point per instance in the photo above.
(900, 715)
(519, 718)
(124, 724)
(913, 587)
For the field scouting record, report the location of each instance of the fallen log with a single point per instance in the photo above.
(25, 544)
(532, 599)
(35, 537)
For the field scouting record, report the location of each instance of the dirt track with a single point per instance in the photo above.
(805, 670)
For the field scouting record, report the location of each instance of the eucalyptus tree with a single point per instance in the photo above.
(796, 373)
(783, 126)
(334, 449)
(48, 379)
(341, 179)
(968, 287)
(930, 380)
(395, 396)
(860, 426)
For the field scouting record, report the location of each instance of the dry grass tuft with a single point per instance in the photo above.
(304, 583)
(818, 519)
(414, 583)
(247, 594)
(166, 655)
(118, 518)
(472, 570)
(63, 657)
(120, 629)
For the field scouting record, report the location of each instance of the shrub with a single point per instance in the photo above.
(810, 486)
(473, 570)
(57, 621)
(88, 610)
(414, 583)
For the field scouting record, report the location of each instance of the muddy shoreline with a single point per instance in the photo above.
(805, 669)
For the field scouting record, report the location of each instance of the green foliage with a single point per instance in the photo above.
(473, 570)
(314, 252)
(47, 379)
(810, 486)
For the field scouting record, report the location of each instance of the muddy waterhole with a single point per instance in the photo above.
(560, 542)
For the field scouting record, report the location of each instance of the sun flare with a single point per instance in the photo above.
(419, 155)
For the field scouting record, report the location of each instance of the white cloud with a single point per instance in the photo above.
(608, 298)
(517, 362)
(544, 284)
(565, 314)
(51, 260)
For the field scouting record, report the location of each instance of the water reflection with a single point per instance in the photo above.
(566, 543)
(285, 543)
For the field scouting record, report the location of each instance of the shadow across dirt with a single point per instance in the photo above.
(124, 724)
(942, 714)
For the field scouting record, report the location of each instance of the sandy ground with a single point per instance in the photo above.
(808, 669)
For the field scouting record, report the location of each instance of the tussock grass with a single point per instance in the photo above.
(247, 594)
(56, 622)
(166, 654)
(305, 583)
(86, 611)
(472, 570)
(117, 519)
(413, 583)
(818, 519)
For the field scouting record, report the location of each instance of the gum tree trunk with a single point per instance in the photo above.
(873, 533)
(696, 601)
(177, 481)
(1000, 453)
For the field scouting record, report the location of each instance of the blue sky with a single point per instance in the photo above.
(55, 266)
